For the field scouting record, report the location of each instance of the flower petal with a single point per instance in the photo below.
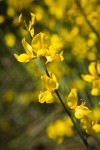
(98, 67)
(27, 47)
(40, 41)
(72, 99)
(82, 111)
(22, 58)
(45, 97)
(50, 82)
(88, 78)
(96, 128)
(92, 69)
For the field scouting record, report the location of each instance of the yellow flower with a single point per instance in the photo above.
(91, 123)
(53, 56)
(72, 99)
(45, 97)
(25, 57)
(86, 124)
(94, 69)
(82, 111)
(96, 87)
(40, 43)
(93, 73)
(60, 128)
(50, 84)
(96, 128)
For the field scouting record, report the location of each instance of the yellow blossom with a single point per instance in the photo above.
(40, 43)
(96, 87)
(93, 73)
(10, 39)
(82, 111)
(91, 123)
(86, 124)
(53, 56)
(60, 128)
(46, 97)
(51, 84)
(25, 57)
(94, 69)
(96, 128)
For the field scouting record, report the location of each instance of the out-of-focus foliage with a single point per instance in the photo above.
(74, 27)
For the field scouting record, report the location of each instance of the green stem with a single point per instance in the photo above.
(66, 108)
(73, 120)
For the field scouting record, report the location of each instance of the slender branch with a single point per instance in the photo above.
(66, 108)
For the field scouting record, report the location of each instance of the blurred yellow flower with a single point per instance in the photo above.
(96, 128)
(86, 124)
(94, 70)
(60, 128)
(2, 19)
(82, 111)
(95, 87)
(72, 98)
(10, 39)
(91, 124)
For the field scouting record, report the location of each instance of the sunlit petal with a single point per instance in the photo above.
(72, 99)
(22, 58)
(45, 97)
(88, 78)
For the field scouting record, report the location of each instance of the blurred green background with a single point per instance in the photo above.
(74, 26)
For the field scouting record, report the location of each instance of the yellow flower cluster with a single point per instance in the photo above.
(88, 119)
(93, 77)
(40, 46)
(60, 128)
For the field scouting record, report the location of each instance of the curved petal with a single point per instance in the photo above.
(40, 41)
(72, 99)
(22, 58)
(88, 78)
(95, 91)
(98, 67)
(92, 69)
(27, 47)
(45, 97)
(59, 57)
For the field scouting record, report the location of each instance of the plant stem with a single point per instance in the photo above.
(73, 120)
(66, 108)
